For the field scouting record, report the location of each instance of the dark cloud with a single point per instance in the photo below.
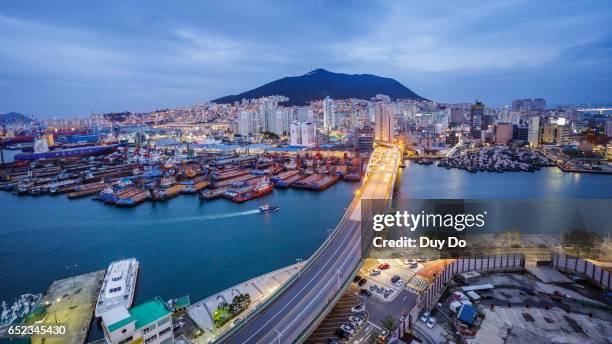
(73, 57)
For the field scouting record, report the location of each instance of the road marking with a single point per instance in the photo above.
(374, 190)
(371, 323)
(333, 256)
(323, 289)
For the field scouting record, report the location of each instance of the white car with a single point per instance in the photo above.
(354, 319)
(425, 317)
(346, 328)
(400, 283)
(431, 322)
(375, 272)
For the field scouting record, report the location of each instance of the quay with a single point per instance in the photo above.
(259, 289)
(130, 176)
(69, 301)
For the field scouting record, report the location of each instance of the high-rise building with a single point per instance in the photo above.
(608, 128)
(303, 134)
(363, 138)
(533, 134)
(456, 117)
(503, 133)
(309, 138)
(245, 122)
(329, 115)
(476, 113)
(539, 104)
(383, 123)
(304, 114)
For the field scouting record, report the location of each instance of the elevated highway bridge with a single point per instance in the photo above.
(295, 310)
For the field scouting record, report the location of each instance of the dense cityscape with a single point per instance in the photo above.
(320, 172)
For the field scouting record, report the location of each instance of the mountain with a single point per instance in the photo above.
(321, 83)
(14, 117)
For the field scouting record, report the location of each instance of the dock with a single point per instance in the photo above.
(70, 301)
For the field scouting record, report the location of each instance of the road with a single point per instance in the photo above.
(293, 311)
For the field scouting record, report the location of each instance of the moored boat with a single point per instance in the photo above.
(118, 286)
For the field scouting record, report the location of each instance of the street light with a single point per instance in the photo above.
(73, 266)
(299, 260)
(329, 232)
(338, 276)
(279, 336)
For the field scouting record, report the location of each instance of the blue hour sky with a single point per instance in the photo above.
(67, 58)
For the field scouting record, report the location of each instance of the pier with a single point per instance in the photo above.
(70, 301)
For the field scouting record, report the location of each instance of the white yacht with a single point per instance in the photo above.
(118, 286)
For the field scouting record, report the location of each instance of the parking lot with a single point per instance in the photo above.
(338, 316)
(381, 282)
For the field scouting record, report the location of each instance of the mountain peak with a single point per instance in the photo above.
(319, 71)
(320, 83)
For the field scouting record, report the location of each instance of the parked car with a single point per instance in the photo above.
(413, 265)
(384, 266)
(355, 325)
(387, 292)
(432, 258)
(382, 337)
(362, 282)
(394, 278)
(365, 292)
(355, 319)
(422, 260)
(358, 309)
(400, 283)
(342, 334)
(357, 279)
(373, 287)
(375, 272)
(431, 322)
(425, 317)
(347, 328)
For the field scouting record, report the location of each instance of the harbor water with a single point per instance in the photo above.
(189, 246)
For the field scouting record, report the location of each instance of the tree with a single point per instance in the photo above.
(389, 323)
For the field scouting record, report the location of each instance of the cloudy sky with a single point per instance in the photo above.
(66, 58)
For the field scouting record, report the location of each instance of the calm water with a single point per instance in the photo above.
(184, 245)
(430, 181)
(201, 247)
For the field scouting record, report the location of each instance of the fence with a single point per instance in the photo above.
(500, 262)
(595, 274)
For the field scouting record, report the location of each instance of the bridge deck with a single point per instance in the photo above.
(293, 311)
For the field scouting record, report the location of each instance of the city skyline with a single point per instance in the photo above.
(72, 59)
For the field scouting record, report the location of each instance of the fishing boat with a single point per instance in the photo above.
(268, 209)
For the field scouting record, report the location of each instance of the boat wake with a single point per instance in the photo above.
(199, 218)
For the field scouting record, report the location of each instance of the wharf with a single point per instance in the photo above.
(70, 301)
(259, 289)
(323, 183)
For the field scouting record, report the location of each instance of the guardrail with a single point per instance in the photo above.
(330, 304)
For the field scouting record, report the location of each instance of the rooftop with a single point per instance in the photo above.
(143, 314)
(149, 311)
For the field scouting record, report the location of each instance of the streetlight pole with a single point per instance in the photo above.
(279, 336)
(299, 260)
(338, 276)
(329, 232)
(72, 267)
